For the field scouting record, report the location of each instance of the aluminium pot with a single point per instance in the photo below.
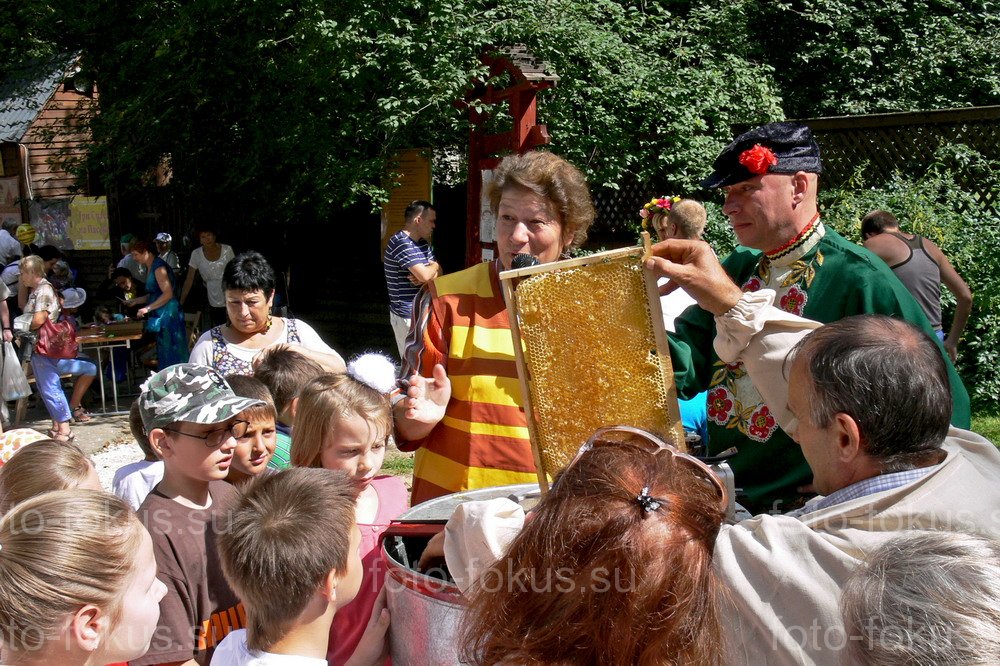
(426, 607)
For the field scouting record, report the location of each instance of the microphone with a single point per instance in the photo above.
(523, 260)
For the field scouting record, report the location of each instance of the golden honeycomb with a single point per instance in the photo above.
(591, 357)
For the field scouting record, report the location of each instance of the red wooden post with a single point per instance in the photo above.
(528, 76)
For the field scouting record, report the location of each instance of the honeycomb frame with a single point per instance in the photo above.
(560, 314)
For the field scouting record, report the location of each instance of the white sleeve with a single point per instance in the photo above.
(196, 258)
(201, 353)
(309, 338)
(477, 534)
(761, 336)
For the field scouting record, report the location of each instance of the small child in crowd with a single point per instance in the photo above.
(102, 315)
(255, 448)
(343, 422)
(291, 554)
(284, 372)
(133, 481)
(43, 466)
(83, 593)
(190, 415)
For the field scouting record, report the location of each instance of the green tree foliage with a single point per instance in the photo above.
(846, 57)
(288, 110)
(277, 110)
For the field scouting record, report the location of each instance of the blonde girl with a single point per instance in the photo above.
(77, 581)
(344, 422)
(43, 466)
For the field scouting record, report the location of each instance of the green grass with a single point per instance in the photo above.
(987, 424)
(399, 464)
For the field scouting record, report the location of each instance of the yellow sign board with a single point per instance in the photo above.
(413, 175)
(88, 223)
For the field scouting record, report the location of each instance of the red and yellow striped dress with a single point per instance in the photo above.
(460, 321)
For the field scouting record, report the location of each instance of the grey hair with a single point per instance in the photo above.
(887, 375)
(926, 598)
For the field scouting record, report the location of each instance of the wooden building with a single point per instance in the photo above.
(44, 106)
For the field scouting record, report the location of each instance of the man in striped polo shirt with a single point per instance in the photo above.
(409, 262)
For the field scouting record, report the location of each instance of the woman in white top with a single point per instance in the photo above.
(249, 292)
(209, 261)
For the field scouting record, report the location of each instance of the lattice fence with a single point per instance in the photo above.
(904, 142)
(619, 209)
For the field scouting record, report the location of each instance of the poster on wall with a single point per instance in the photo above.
(74, 223)
(50, 218)
(413, 168)
(487, 220)
(88, 223)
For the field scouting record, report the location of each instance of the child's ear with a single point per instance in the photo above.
(87, 627)
(328, 588)
(293, 407)
(160, 443)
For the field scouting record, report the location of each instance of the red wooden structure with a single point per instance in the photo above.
(527, 76)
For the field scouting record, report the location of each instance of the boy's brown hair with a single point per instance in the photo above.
(284, 372)
(289, 531)
(251, 387)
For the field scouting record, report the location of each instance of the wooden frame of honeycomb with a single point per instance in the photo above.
(588, 353)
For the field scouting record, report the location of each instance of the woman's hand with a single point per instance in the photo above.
(427, 397)
(433, 552)
(424, 405)
(142, 313)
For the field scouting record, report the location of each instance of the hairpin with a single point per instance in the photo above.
(648, 504)
(375, 371)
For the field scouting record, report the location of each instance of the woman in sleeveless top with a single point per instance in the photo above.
(249, 292)
(162, 312)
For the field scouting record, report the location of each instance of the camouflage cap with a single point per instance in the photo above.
(190, 393)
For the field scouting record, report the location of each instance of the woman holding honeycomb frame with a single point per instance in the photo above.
(462, 412)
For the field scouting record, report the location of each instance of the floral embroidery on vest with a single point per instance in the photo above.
(733, 401)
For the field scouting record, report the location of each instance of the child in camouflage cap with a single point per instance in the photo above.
(190, 415)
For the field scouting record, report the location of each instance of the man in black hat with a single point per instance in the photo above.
(770, 178)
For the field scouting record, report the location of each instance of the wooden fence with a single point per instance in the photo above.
(884, 144)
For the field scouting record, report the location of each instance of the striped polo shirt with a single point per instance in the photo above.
(401, 252)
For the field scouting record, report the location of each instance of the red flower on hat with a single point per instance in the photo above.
(758, 159)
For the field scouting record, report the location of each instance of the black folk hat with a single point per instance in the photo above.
(784, 147)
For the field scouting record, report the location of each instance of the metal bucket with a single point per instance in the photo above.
(426, 610)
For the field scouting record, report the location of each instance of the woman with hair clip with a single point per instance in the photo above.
(85, 593)
(614, 565)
